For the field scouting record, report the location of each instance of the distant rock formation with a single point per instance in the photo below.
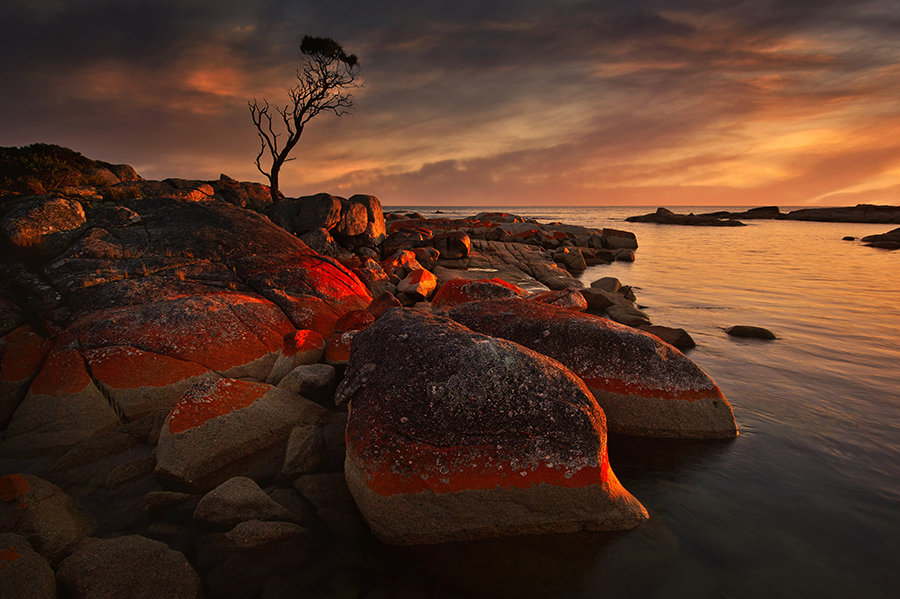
(886, 241)
(664, 216)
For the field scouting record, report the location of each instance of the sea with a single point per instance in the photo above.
(805, 502)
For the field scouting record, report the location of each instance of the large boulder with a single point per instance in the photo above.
(645, 386)
(459, 291)
(224, 427)
(22, 353)
(43, 226)
(455, 435)
(299, 215)
(375, 230)
(129, 566)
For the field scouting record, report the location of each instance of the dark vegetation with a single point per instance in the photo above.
(44, 168)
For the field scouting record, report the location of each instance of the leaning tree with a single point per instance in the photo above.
(323, 78)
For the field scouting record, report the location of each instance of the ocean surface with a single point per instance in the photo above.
(806, 501)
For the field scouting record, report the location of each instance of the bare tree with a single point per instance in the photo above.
(322, 80)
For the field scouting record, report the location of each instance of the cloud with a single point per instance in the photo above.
(512, 101)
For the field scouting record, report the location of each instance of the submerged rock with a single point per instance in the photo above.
(645, 386)
(750, 331)
(455, 435)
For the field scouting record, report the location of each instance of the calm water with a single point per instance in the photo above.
(806, 501)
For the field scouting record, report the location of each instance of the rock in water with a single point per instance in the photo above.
(751, 332)
(645, 386)
(454, 435)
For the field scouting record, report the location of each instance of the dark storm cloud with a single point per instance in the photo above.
(506, 99)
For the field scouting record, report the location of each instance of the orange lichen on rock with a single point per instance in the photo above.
(302, 340)
(459, 291)
(8, 555)
(338, 349)
(355, 320)
(63, 373)
(482, 472)
(123, 367)
(13, 487)
(21, 353)
(208, 400)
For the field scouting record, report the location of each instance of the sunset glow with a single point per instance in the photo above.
(506, 103)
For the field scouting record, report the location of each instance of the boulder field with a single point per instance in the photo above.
(195, 402)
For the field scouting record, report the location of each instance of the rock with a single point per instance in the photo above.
(224, 427)
(402, 240)
(319, 240)
(334, 505)
(22, 354)
(337, 352)
(24, 573)
(664, 216)
(452, 245)
(354, 219)
(677, 337)
(614, 239)
(499, 217)
(237, 500)
(453, 435)
(382, 303)
(355, 320)
(571, 258)
(571, 299)
(43, 227)
(750, 332)
(459, 291)
(861, 213)
(319, 211)
(306, 451)
(239, 563)
(62, 408)
(625, 255)
(312, 381)
(886, 241)
(848, 238)
(375, 231)
(426, 256)
(254, 196)
(400, 264)
(51, 521)
(645, 386)
(129, 566)
(301, 348)
(420, 283)
(610, 284)
(628, 315)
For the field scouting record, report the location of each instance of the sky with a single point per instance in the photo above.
(480, 103)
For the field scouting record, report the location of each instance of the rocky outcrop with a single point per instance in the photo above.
(861, 213)
(355, 222)
(496, 441)
(645, 386)
(664, 216)
(886, 241)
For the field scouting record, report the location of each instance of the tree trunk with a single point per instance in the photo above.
(273, 183)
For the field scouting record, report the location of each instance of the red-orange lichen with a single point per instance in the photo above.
(63, 373)
(338, 349)
(459, 291)
(355, 320)
(21, 354)
(626, 388)
(206, 401)
(129, 368)
(302, 340)
(13, 486)
(8, 555)
(420, 459)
